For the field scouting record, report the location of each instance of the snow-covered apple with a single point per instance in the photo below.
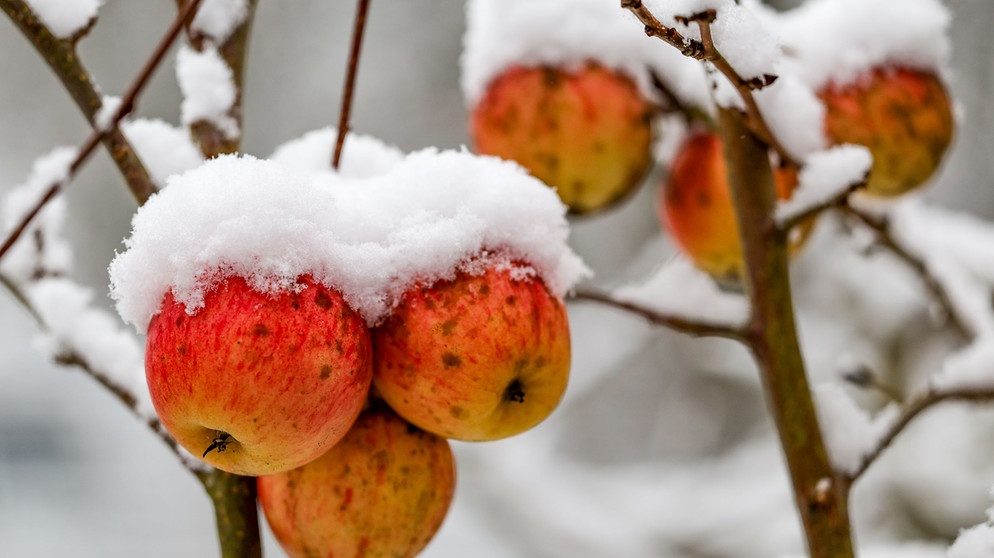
(903, 116)
(696, 209)
(483, 356)
(259, 383)
(586, 132)
(382, 491)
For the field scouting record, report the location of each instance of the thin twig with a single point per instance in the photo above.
(695, 328)
(60, 55)
(882, 229)
(917, 406)
(127, 105)
(655, 28)
(358, 27)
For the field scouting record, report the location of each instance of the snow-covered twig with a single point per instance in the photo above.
(62, 59)
(126, 106)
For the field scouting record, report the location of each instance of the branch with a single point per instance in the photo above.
(346, 110)
(212, 140)
(917, 406)
(694, 328)
(235, 511)
(655, 28)
(127, 105)
(839, 200)
(60, 54)
(882, 229)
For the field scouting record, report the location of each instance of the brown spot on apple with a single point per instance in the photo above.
(451, 360)
(325, 372)
(448, 326)
(261, 330)
(323, 300)
(456, 411)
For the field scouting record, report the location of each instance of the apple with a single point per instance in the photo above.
(903, 116)
(382, 491)
(258, 383)
(479, 357)
(696, 209)
(585, 132)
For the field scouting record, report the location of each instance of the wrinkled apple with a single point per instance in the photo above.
(903, 116)
(259, 383)
(480, 357)
(382, 491)
(696, 209)
(587, 133)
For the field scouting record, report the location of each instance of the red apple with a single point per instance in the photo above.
(903, 116)
(587, 132)
(696, 209)
(382, 491)
(480, 357)
(259, 383)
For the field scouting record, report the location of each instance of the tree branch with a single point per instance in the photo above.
(60, 54)
(694, 328)
(917, 406)
(362, 8)
(235, 511)
(882, 229)
(127, 105)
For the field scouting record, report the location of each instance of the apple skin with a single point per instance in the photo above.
(284, 376)
(903, 116)
(480, 357)
(586, 133)
(696, 209)
(382, 491)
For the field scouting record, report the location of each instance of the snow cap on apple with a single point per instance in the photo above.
(240, 247)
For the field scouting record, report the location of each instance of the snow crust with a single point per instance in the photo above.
(837, 40)
(104, 119)
(371, 238)
(825, 175)
(27, 257)
(164, 149)
(208, 88)
(218, 19)
(64, 18)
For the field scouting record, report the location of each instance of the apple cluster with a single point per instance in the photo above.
(581, 110)
(337, 389)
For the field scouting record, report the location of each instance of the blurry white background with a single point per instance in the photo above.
(651, 428)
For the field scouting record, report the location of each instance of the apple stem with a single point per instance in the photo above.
(219, 443)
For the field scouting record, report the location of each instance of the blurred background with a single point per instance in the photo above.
(650, 426)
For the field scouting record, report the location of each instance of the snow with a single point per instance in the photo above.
(218, 19)
(846, 428)
(362, 156)
(680, 289)
(164, 149)
(64, 18)
(501, 34)
(103, 120)
(208, 88)
(794, 115)
(824, 176)
(26, 256)
(838, 40)
(371, 238)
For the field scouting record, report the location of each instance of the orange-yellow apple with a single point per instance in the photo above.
(903, 116)
(696, 209)
(480, 357)
(259, 383)
(587, 132)
(382, 491)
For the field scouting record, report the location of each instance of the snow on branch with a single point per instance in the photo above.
(826, 179)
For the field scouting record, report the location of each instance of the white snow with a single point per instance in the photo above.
(64, 18)
(362, 156)
(208, 88)
(678, 288)
(104, 119)
(794, 115)
(825, 175)
(501, 34)
(846, 428)
(74, 325)
(164, 149)
(53, 254)
(218, 19)
(370, 238)
(838, 40)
